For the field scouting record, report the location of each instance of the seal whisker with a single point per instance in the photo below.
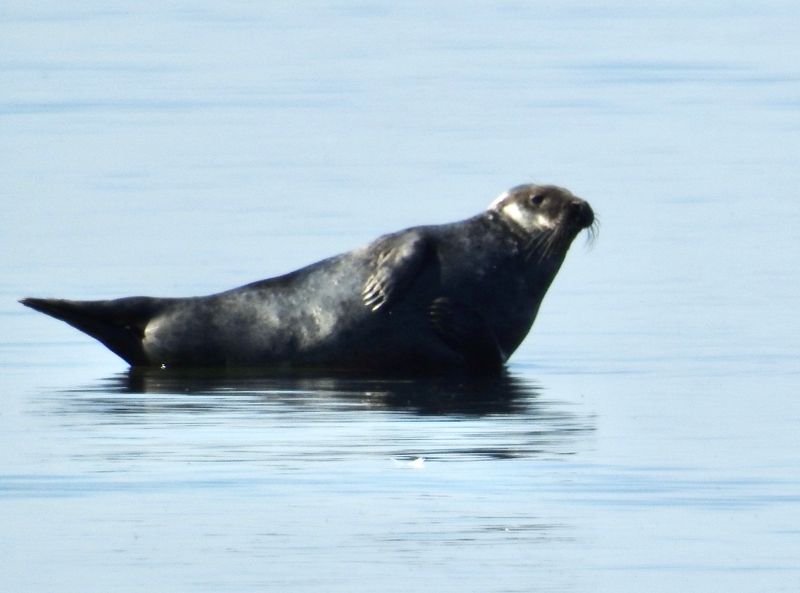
(536, 247)
(546, 244)
(592, 231)
(553, 245)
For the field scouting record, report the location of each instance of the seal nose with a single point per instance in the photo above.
(582, 213)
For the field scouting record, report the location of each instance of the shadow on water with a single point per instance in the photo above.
(466, 395)
(455, 417)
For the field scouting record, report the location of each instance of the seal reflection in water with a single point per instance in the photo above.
(426, 299)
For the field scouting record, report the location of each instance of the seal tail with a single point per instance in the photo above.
(119, 324)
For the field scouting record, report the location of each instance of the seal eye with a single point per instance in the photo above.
(536, 199)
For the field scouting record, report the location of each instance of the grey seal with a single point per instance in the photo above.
(427, 299)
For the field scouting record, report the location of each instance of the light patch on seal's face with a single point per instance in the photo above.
(532, 221)
(522, 215)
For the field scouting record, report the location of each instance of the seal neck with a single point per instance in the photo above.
(539, 273)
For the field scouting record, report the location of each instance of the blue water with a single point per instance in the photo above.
(646, 435)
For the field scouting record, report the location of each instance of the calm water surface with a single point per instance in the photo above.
(646, 435)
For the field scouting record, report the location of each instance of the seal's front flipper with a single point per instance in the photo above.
(399, 262)
(466, 331)
(119, 324)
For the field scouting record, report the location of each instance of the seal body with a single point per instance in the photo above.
(431, 298)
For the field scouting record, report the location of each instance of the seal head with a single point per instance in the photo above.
(546, 218)
(536, 209)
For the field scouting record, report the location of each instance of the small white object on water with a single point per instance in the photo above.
(417, 463)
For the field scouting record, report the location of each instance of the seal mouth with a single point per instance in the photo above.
(553, 243)
(581, 213)
(585, 219)
(578, 215)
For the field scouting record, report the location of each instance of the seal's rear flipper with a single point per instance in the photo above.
(119, 324)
